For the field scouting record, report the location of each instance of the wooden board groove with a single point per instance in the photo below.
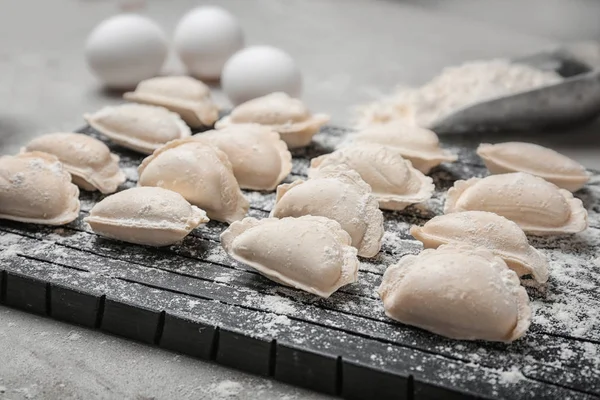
(192, 298)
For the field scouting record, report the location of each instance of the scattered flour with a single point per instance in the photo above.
(272, 327)
(224, 278)
(511, 376)
(566, 353)
(260, 200)
(454, 88)
(568, 304)
(225, 389)
(131, 173)
(10, 251)
(8, 239)
(73, 335)
(279, 305)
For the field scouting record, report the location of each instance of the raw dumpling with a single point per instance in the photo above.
(145, 215)
(260, 159)
(535, 160)
(501, 236)
(138, 127)
(537, 206)
(418, 145)
(308, 253)
(34, 187)
(280, 112)
(91, 164)
(394, 181)
(340, 195)
(457, 291)
(201, 173)
(184, 95)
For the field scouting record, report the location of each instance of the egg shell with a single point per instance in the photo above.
(205, 38)
(126, 49)
(260, 70)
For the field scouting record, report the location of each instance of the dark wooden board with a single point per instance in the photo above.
(193, 299)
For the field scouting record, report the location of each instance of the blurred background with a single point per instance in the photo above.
(349, 52)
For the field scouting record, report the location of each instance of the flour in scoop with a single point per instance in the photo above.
(455, 88)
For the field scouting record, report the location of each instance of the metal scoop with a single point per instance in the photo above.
(573, 101)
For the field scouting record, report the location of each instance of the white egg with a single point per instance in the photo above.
(205, 38)
(126, 49)
(259, 70)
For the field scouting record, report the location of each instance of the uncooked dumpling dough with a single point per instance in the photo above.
(536, 160)
(320, 263)
(34, 187)
(457, 291)
(283, 114)
(260, 159)
(394, 181)
(138, 127)
(201, 173)
(537, 206)
(419, 145)
(183, 95)
(145, 215)
(91, 164)
(340, 195)
(501, 236)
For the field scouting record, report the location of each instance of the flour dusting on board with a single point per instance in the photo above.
(226, 389)
(278, 305)
(131, 173)
(9, 245)
(272, 327)
(511, 376)
(454, 88)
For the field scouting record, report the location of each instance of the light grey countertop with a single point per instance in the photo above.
(350, 52)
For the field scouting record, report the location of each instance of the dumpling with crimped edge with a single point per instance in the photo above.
(184, 95)
(501, 236)
(418, 145)
(282, 113)
(308, 253)
(149, 216)
(340, 195)
(536, 160)
(260, 159)
(537, 206)
(89, 161)
(35, 188)
(457, 291)
(394, 181)
(201, 173)
(138, 127)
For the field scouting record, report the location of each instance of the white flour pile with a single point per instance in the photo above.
(454, 88)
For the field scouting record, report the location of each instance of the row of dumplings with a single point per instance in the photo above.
(469, 288)
(166, 107)
(319, 226)
(465, 285)
(239, 155)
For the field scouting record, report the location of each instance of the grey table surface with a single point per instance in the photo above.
(350, 52)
